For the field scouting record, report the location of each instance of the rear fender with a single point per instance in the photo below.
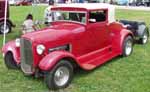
(11, 23)
(141, 30)
(49, 61)
(148, 30)
(118, 39)
(124, 34)
(11, 47)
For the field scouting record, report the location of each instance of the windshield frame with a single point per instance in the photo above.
(86, 16)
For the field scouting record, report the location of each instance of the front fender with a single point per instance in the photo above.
(49, 61)
(9, 21)
(11, 47)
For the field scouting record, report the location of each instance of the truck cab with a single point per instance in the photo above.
(83, 35)
(9, 24)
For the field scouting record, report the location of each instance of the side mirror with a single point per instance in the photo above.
(92, 20)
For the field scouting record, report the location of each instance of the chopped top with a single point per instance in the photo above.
(88, 6)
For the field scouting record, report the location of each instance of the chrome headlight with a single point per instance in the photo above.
(40, 49)
(17, 42)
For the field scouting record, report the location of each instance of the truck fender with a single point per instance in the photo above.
(11, 47)
(49, 61)
(8, 21)
(141, 30)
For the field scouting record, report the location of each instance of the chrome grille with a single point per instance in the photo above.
(26, 56)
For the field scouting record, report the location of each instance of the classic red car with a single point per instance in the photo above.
(9, 23)
(84, 35)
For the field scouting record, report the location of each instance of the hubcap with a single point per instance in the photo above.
(128, 47)
(61, 76)
(145, 38)
(2, 29)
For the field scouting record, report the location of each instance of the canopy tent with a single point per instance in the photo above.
(5, 18)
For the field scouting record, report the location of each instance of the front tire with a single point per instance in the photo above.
(60, 76)
(127, 46)
(8, 28)
(9, 61)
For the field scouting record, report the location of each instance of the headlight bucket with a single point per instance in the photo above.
(17, 42)
(40, 49)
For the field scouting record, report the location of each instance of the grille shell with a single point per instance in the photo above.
(26, 56)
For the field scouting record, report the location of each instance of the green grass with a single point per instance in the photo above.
(131, 74)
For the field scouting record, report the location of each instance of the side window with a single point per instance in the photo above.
(80, 17)
(97, 16)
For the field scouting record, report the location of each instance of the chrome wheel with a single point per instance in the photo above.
(61, 76)
(145, 38)
(2, 29)
(128, 48)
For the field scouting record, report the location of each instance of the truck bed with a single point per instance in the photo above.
(133, 26)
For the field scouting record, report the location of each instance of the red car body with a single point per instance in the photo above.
(88, 45)
(87, 50)
(81, 53)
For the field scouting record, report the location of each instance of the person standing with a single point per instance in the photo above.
(28, 24)
(48, 16)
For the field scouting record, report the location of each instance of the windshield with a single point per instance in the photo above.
(79, 17)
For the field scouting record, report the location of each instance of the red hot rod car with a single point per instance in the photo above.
(84, 35)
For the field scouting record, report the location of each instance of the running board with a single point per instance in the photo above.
(95, 62)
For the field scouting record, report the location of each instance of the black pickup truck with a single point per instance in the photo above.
(139, 29)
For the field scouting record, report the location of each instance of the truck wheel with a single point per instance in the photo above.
(144, 38)
(8, 28)
(127, 46)
(60, 76)
(9, 61)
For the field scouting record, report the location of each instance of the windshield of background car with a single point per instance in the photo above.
(70, 16)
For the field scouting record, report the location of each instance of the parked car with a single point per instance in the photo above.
(24, 3)
(20, 2)
(9, 23)
(122, 2)
(147, 3)
(140, 3)
(13, 2)
(85, 36)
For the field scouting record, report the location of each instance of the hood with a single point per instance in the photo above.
(55, 32)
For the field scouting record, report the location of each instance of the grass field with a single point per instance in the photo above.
(131, 74)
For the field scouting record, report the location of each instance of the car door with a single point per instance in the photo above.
(98, 21)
